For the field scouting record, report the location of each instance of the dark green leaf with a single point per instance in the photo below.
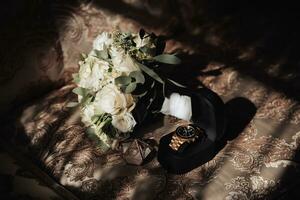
(122, 80)
(141, 95)
(151, 73)
(90, 131)
(130, 88)
(75, 78)
(147, 50)
(86, 99)
(80, 91)
(95, 118)
(168, 59)
(177, 84)
(93, 136)
(101, 54)
(138, 76)
(83, 56)
(123, 88)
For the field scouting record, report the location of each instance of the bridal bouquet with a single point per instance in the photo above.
(116, 74)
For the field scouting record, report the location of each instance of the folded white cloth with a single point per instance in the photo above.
(179, 106)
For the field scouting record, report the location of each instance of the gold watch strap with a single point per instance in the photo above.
(176, 142)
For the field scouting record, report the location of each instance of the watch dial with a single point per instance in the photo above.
(185, 131)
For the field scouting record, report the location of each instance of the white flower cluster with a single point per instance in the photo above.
(107, 77)
(107, 105)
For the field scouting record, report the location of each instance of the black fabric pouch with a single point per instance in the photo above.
(208, 113)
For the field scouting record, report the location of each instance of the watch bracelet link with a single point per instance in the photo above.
(176, 141)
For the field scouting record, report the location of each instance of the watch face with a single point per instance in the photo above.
(185, 131)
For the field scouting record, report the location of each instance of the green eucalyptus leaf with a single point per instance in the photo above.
(138, 76)
(123, 88)
(86, 100)
(168, 59)
(83, 56)
(80, 91)
(90, 131)
(147, 50)
(141, 95)
(130, 88)
(122, 80)
(94, 135)
(151, 73)
(75, 78)
(103, 146)
(95, 118)
(177, 84)
(144, 49)
(72, 104)
(102, 54)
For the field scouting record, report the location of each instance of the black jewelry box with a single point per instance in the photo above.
(208, 112)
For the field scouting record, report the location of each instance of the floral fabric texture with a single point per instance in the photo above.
(261, 161)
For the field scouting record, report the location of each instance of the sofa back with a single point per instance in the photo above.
(41, 42)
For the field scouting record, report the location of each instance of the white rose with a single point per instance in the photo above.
(91, 73)
(102, 41)
(111, 100)
(124, 122)
(122, 61)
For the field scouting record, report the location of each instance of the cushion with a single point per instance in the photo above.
(254, 163)
(258, 161)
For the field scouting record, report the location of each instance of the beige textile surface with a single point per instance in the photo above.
(18, 182)
(260, 162)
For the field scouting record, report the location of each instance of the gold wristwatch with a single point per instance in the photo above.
(185, 134)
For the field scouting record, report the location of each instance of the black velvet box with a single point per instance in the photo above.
(208, 113)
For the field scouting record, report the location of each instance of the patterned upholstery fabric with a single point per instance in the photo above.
(256, 164)
(47, 38)
(18, 182)
(261, 162)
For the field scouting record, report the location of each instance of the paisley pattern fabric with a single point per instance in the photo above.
(261, 162)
